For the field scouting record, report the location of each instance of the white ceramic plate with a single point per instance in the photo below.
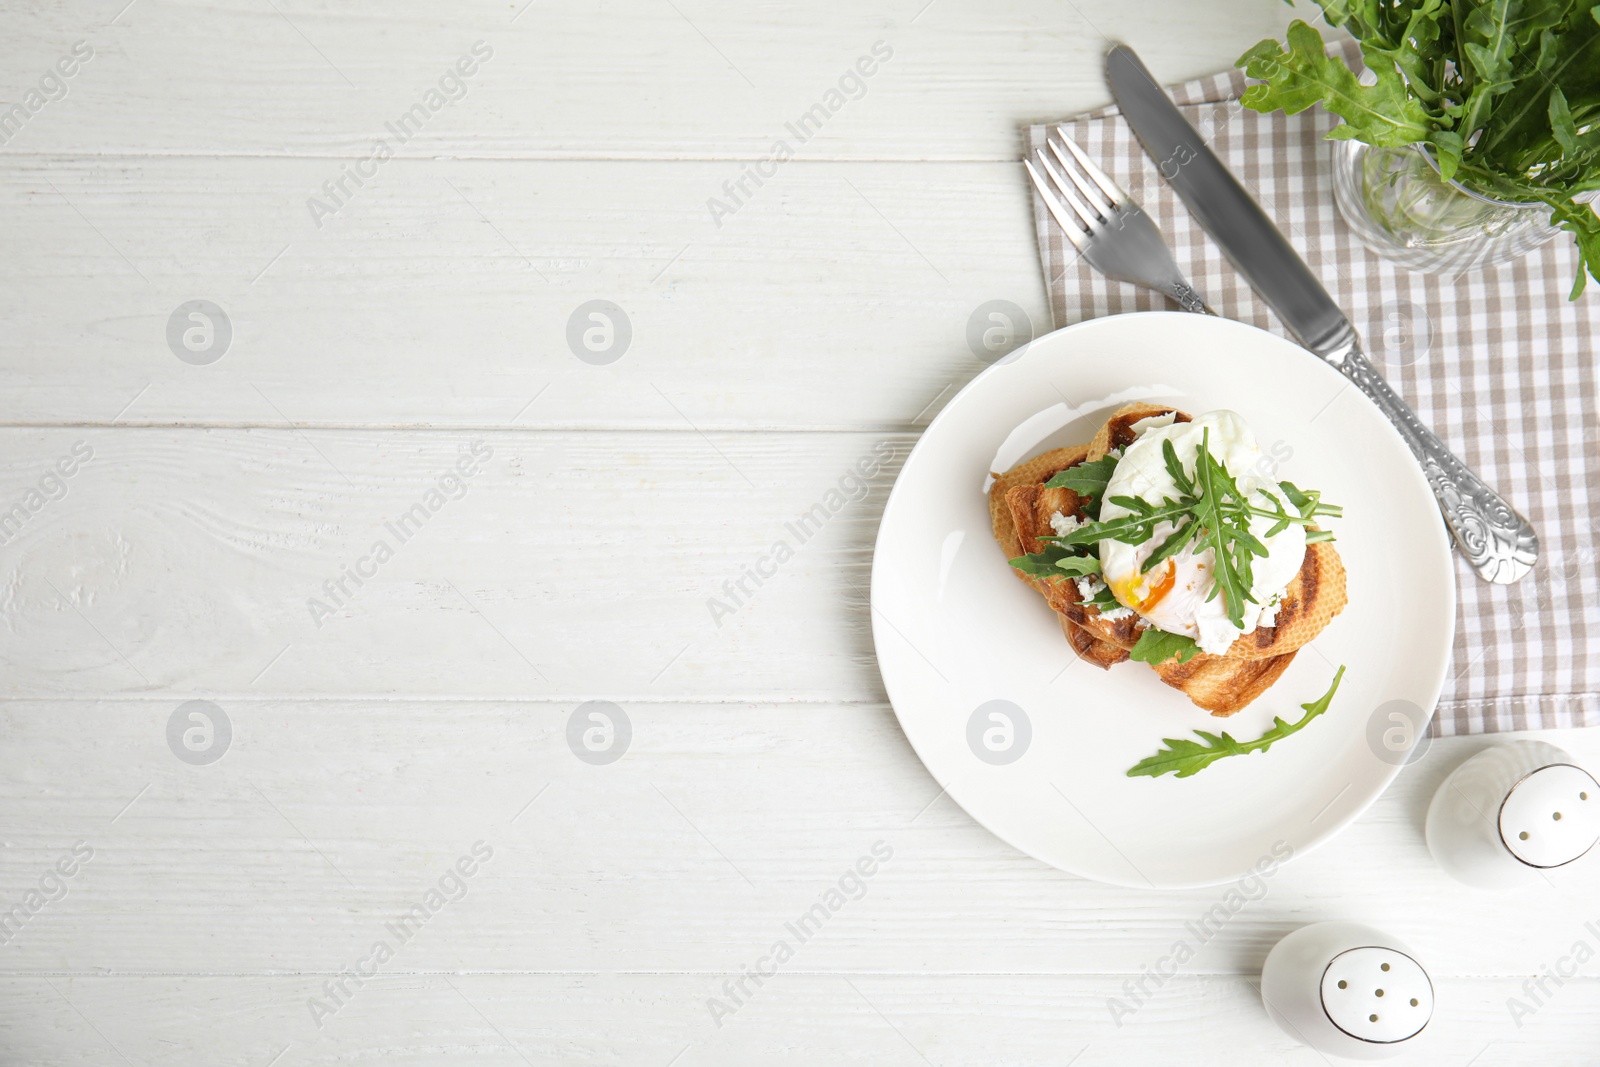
(955, 630)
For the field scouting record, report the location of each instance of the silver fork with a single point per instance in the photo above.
(1104, 224)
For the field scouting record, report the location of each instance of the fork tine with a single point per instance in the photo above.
(1114, 236)
(1093, 218)
(1052, 200)
(1102, 206)
(1109, 187)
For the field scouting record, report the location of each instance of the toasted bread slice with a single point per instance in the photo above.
(1036, 471)
(1102, 654)
(1313, 598)
(1033, 506)
(1220, 685)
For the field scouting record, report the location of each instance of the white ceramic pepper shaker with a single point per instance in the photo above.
(1511, 812)
(1347, 990)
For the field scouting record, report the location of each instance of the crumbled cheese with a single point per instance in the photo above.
(1065, 524)
(1089, 587)
(1269, 614)
(1152, 423)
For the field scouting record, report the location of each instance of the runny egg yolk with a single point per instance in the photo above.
(1142, 592)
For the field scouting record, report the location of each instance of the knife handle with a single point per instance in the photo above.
(1500, 544)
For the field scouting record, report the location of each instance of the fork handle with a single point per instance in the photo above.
(1188, 298)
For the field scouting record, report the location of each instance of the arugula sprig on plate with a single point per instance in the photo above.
(1211, 511)
(1185, 757)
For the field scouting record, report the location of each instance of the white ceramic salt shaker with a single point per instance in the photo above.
(1347, 990)
(1512, 812)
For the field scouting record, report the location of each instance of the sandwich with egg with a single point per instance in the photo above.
(1165, 540)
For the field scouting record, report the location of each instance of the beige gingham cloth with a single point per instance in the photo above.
(1497, 361)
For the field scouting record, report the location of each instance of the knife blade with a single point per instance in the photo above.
(1499, 543)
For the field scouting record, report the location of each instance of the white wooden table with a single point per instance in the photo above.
(227, 912)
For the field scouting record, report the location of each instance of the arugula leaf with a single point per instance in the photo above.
(1157, 646)
(1132, 529)
(1056, 561)
(1086, 479)
(1581, 221)
(1300, 499)
(1078, 566)
(1487, 41)
(1381, 114)
(1169, 457)
(1562, 128)
(1041, 564)
(1184, 757)
(1308, 502)
(1172, 545)
(1227, 535)
(1407, 46)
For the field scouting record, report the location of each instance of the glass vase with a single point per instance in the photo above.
(1400, 207)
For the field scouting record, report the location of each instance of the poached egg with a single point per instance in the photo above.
(1176, 596)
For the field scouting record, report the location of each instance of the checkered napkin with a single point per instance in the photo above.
(1497, 361)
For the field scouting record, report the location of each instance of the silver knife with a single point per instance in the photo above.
(1499, 543)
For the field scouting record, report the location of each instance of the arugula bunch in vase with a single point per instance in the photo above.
(1482, 119)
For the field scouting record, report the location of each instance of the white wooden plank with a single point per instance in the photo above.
(634, 79)
(893, 1020)
(325, 821)
(838, 296)
(572, 565)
